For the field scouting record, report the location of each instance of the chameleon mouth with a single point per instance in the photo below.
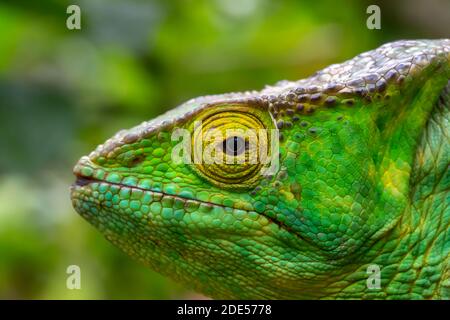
(83, 182)
(86, 178)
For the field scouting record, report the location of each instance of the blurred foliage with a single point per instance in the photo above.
(62, 92)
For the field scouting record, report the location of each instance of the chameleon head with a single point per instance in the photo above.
(240, 229)
(337, 178)
(183, 194)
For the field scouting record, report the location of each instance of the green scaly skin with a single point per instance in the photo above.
(362, 179)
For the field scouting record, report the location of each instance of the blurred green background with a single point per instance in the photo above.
(62, 92)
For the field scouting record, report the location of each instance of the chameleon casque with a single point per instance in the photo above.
(362, 180)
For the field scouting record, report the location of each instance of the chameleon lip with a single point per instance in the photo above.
(83, 181)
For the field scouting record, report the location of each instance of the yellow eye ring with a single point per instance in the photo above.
(230, 145)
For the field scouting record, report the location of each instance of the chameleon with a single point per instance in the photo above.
(355, 207)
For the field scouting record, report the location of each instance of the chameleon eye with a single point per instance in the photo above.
(230, 140)
(235, 145)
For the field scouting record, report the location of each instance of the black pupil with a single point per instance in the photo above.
(234, 145)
